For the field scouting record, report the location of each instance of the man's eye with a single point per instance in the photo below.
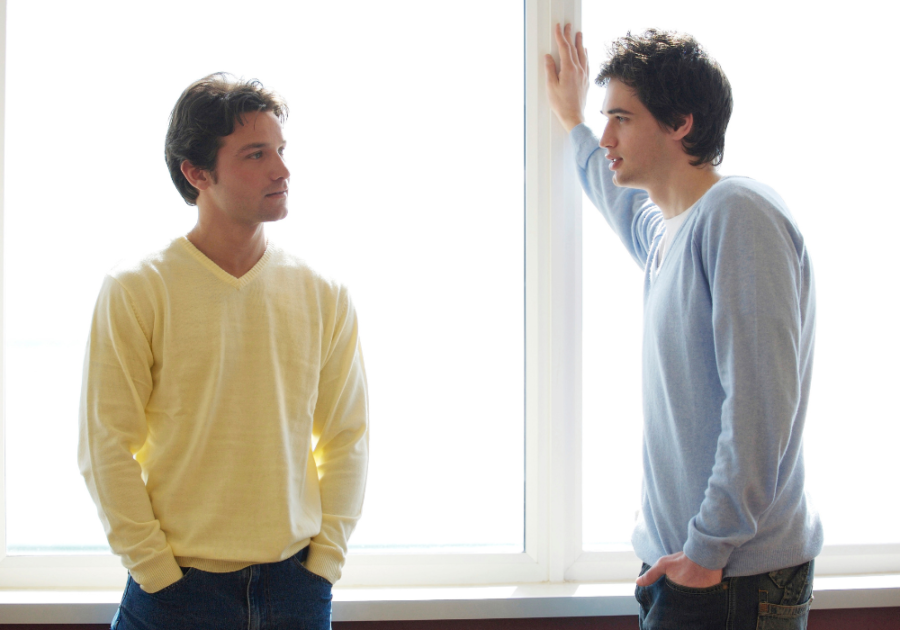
(621, 119)
(255, 156)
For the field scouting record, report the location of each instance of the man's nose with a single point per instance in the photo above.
(281, 170)
(607, 139)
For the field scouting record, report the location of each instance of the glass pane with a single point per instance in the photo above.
(401, 187)
(791, 130)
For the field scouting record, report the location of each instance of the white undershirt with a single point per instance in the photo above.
(672, 226)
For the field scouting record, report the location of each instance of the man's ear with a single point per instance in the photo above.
(687, 124)
(197, 177)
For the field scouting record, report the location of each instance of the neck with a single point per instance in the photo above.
(236, 248)
(682, 188)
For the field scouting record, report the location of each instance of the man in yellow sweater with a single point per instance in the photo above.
(224, 415)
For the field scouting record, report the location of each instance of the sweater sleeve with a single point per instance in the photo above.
(340, 434)
(754, 261)
(112, 427)
(629, 211)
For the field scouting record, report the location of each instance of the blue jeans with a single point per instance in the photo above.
(261, 597)
(778, 600)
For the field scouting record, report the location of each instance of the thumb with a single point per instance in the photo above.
(652, 575)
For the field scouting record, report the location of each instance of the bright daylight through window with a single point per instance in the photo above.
(387, 195)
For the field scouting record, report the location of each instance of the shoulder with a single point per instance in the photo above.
(742, 200)
(746, 205)
(138, 274)
(293, 270)
(748, 215)
(743, 194)
(157, 262)
(136, 287)
(287, 263)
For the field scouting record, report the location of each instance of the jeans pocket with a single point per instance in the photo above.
(309, 574)
(175, 587)
(689, 590)
(668, 605)
(778, 617)
(785, 598)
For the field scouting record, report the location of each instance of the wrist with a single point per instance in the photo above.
(570, 123)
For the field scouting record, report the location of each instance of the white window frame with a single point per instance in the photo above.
(553, 347)
(553, 279)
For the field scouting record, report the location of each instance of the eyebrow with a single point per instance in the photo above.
(257, 145)
(618, 110)
(253, 145)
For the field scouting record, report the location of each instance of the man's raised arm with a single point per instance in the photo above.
(627, 210)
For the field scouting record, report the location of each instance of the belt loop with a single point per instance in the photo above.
(763, 601)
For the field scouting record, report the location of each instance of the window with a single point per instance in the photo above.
(387, 196)
(424, 189)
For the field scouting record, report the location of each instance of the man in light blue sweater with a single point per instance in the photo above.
(725, 532)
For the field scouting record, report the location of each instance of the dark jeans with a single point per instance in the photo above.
(260, 597)
(778, 600)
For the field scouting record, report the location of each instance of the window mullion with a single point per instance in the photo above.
(553, 311)
(2, 287)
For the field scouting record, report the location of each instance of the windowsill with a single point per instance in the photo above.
(462, 602)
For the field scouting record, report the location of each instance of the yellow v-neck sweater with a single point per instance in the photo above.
(223, 420)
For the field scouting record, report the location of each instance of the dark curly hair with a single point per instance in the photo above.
(206, 112)
(673, 76)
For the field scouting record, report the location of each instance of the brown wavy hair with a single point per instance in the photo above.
(673, 76)
(206, 112)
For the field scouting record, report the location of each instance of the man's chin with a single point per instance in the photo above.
(626, 182)
(274, 215)
(621, 182)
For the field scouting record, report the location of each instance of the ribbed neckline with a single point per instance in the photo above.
(221, 274)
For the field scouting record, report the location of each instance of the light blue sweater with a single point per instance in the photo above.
(729, 323)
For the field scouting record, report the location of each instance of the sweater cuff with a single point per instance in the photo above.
(707, 551)
(584, 144)
(326, 561)
(157, 574)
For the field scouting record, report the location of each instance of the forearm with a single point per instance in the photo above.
(342, 449)
(342, 489)
(628, 211)
(114, 481)
(745, 481)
